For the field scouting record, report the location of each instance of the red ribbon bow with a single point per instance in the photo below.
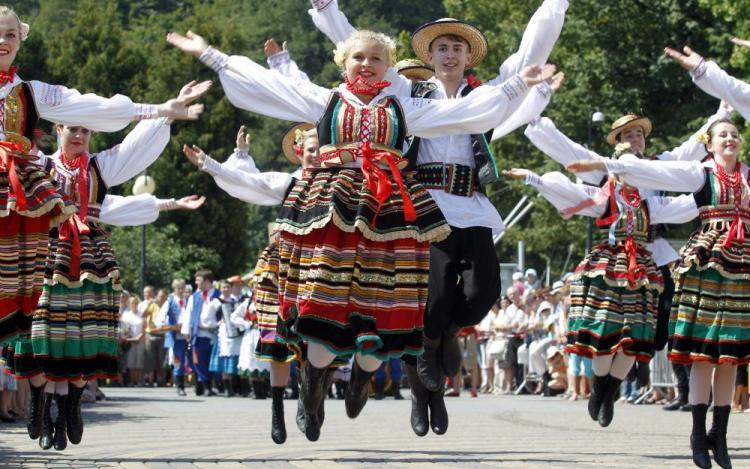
(736, 231)
(379, 182)
(8, 76)
(473, 81)
(70, 230)
(631, 250)
(8, 162)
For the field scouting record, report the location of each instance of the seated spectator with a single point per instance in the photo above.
(555, 378)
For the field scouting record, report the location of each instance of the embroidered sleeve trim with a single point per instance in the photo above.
(214, 59)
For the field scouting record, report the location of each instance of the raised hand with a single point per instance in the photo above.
(534, 74)
(556, 81)
(243, 139)
(726, 106)
(741, 42)
(191, 202)
(687, 60)
(271, 47)
(195, 155)
(179, 108)
(191, 43)
(516, 173)
(584, 166)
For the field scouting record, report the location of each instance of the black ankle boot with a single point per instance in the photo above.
(438, 412)
(358, 391)
(36, 411)
(452, 355)
(257, 389)
(420, 397)
(75, 421)
(278, 426)
(717, 436)
(698, 440)
(199, 387)
(597, 394)
(236, 389)
(61, 423)
(396, 388)
(228, 389)
(428, 365)
(45, 436)
(379, 385)
(607, 412)
(244, 387)
(180, 381)
(219, 383)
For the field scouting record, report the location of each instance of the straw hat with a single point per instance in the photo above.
(627, 122)
(414, 69)
(425, 34)
(289, 140)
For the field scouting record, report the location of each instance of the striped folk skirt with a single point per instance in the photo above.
(348, 279)
(75, 327)
(710, 318)
(23, 245)
(607, 313)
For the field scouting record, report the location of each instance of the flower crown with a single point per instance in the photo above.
(704, 138)
(300, 136)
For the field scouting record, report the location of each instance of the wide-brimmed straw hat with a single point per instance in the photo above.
(627, 122)
(289, 140)
(425, 34)
(414, 69)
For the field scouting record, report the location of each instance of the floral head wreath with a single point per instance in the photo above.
(704, 138)
(299, 138)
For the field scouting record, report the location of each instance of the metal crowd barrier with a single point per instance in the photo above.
(661, 373)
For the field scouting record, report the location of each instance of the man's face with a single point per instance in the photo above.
(635, 137)
(449, 57)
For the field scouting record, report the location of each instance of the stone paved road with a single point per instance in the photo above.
(153, 428)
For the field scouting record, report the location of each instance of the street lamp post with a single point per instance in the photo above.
(597, 117)
(143, 185)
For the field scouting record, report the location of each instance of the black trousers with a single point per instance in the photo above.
(464, 280)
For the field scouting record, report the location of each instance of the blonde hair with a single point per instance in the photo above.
(178, 283)
(22, 27)
(341, 53)
(301, 136)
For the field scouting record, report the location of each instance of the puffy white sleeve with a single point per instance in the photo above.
(237, 318)
(692, 149)
(186, 316)
(246, 183)
(675, 210)
(484, 108)
(538, 39)
(564, 194)
(66, 106)
(254, 88)
(137, 152)
(133, 210)
(676, 176)
(555, 144)
(713, 80)
(533, 105)
(283, 63)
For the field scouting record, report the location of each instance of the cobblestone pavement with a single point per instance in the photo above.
(153, 428)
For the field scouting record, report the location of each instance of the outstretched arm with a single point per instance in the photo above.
(533, 105)
(278, 59)
(136, 210)
(693, 149)
(675, 210)
(560, 191)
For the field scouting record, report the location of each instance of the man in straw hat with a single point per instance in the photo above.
(464, 272)
(632, 130)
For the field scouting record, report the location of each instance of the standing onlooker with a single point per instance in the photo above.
(169, 319)
(153, 357)
(134, 330)
(486, 361)
(201, 329)
(508, 326)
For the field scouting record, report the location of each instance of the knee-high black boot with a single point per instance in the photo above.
(429, 366)
(420, 397)
(61, 423)
(278, 426)
(45, 436)
(597, 394)
(313, 391)
(607, 412)
(438, 412)
(358, 391)
(698, 440)
(75, 421)
(34, 426)
(717, 436)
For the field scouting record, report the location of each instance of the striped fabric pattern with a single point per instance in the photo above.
(98, 264)
(42, 197)
(266, 278)
(606, 314)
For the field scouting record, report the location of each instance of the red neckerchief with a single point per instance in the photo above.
(473, 82)
(73, 227)
(205, 296)
(363, 87)
(6, 77)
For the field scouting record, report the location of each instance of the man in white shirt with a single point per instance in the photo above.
(200, 330)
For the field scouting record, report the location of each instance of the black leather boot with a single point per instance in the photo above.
(452, 355)
(75, 421)
(312, 394)
(358, 391)
(379, 385)
(236, 389)
(428, 365)
(698, 440)
(180, 381)
(607, 412)
(420, 397)
(677, 403)
(327, 383)
(34, 426)
(219, 383)
(438, 412)
(61, 423)
(717, 436)
(258, 389)
(597, 393)
(396, 388)
(199, 387)
(45, 436)
(228, 389)
(244, 387)
(278, 426)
